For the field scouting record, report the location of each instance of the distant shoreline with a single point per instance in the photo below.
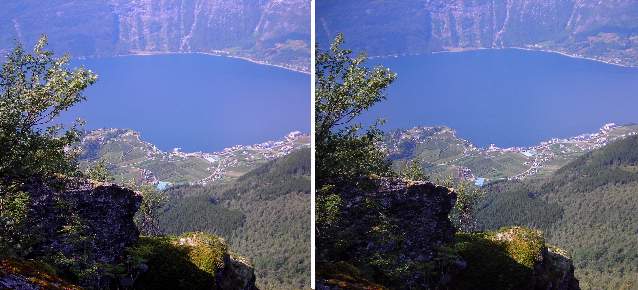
(220, 54)
(504, 48)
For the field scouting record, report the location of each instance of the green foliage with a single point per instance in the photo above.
(264, 215)
(34, 90)
(413, 170)
(503, 259)
(345, 88)
(588, 207)
(14, 205)
(190, 261)
(99, 172)
(147, 216)
(468, 199)
(328, 207)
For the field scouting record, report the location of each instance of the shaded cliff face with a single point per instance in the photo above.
(397, 234)
(602, 30)
(275, 32)
(394, 228)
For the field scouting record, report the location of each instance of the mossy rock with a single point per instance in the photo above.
(20, 274)
(503, 259)
(189, 261)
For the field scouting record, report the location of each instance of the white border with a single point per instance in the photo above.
(312, 143)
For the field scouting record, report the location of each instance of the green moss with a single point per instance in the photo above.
(206, 251)
(190, 261)
(503, 259)
(524, 245)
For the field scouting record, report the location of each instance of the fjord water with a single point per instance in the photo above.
(194, 101)
(507, 97)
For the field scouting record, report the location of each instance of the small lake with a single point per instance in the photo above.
(194, 101)
(507, 97)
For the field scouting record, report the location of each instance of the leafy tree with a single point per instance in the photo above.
(468, 198)
(35, 88)
(345, 88)
(345, 150)
(153, 202)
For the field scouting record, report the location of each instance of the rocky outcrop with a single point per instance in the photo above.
(81, 225)
(190, 261)
(555, 271)
(602, 30)
(274, 31)
(396, 227)
(398, 235)
(103, 212)
(237, 274)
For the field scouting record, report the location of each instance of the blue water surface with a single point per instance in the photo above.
(507, 97)
(196, 102)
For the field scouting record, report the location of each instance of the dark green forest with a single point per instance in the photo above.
(588, 207)
(264, 216)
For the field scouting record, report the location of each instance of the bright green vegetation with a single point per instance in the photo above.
(588, 207)
(264, 216)
(502, 259)
(188, 261)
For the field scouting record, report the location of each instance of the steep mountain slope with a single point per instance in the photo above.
(274, 32)
(442, 154)
(130, 158)
(264, 215)
(602, 30)
(588, 207)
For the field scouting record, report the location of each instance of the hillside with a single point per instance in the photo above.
(601, 30)
(273, 32)
(129, 157)
(264, 215)
(443, 154)
(588, 207)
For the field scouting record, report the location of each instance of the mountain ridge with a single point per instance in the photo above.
(268, 32)
(597, 30)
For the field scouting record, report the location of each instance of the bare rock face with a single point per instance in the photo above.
(556, 271)
(237, 274)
